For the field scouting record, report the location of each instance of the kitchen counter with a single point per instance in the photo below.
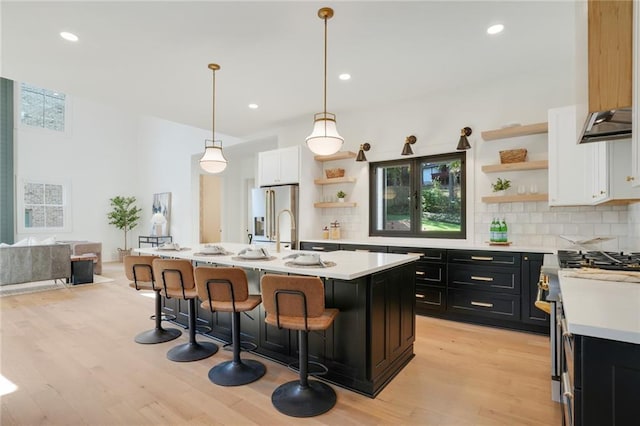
(349, 265)
(371, 339)
(604, 309)
(432, 243)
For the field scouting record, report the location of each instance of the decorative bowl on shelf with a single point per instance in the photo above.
(334, 173)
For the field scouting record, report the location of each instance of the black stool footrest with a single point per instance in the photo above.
(245, 346)
(320, 370)
(203, 329)
(164, 317)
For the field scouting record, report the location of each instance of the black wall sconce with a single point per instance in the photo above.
(410, 140)
(363, 147)
(463, 143)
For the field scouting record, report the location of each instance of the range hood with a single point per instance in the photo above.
(609, 63)
(607, 126)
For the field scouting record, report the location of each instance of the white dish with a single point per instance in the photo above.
(213, 250)
(307, 260)
(254, 254)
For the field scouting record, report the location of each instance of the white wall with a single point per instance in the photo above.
(97, 156)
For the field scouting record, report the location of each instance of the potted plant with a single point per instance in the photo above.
(124, 215)
(500, 186)
(341, 195)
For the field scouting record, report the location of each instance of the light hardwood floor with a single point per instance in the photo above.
(72, 357)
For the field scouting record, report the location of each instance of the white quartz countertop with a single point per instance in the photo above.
(604, 309)
(421, 243)
(349, 265)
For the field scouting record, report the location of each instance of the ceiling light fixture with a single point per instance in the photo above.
(463, 143)
(253, 106)
(213, 160)
(363, 147)
(495, 29)
(324, 139)
(344, 77)
(406, 149)
(69, 36)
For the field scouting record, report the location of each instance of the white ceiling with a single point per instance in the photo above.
(151, 57)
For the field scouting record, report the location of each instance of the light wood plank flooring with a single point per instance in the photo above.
(72, 356)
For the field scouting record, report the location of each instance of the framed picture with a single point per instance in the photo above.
(161, 205)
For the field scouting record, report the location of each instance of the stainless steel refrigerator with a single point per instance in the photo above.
(269, 207)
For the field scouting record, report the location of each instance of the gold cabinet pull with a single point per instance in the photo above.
(317, 248)
(420, 296)
(473, 277)
(363, 250)
(482, 258)
(420, 273)
(483, 304)
(630, 178)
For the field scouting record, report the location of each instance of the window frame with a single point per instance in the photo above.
(20, 206)
(415, 184)
(23, 126)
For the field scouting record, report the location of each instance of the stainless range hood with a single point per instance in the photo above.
(607, 126)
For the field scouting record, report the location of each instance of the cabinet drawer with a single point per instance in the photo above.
(494, 258)
(307, 245)
(427, 254)
(483, 303)
(471, 277)
(430, 298)
(431, 273)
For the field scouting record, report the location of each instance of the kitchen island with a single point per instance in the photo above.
(371, 339)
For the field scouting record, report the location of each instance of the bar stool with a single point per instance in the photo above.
(139, 270)
(175, 277)
(297, 303)
(227, 290)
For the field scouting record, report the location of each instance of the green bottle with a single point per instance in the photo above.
(493, 231)
(503, 231)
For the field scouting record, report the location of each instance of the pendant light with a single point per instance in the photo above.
(324, 139)
(213, 160)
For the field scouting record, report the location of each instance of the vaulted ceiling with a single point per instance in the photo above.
(151, 57)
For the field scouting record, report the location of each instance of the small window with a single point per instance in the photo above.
(42, 108)
(419, 197)
(42, 207)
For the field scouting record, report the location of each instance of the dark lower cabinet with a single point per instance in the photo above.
(307, 245)
(484, 304)
(531, 264)
(606, 379)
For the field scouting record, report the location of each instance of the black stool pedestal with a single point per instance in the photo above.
(295, 400)
(192, 351)
(158, 334)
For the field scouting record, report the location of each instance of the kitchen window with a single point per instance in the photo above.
(418, 197)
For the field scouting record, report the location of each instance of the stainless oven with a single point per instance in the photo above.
(567, 372)
(550, 283)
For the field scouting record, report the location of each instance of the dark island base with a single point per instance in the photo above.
(369, 343)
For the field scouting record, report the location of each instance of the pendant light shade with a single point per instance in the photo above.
(213, 161)
(463, 143)
(325, 139)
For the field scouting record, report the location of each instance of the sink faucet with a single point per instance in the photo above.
(293, 226)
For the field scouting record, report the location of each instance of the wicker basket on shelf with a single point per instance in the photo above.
(513, 156)
(334, 173)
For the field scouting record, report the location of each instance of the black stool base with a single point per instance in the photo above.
(294, 400)
(192, 351)
(230, 373)
(158, 335)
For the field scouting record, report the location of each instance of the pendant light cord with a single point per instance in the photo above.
(213, 110)
(325, 67)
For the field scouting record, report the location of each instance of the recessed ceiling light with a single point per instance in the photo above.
(344, 76)
(253, 106)
(495, 29)
(68, 36)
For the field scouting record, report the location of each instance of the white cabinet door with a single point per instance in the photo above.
(279, 166)
(268, 168)
(290, 165)
(621, 182)
(570, 182)
(599, 168)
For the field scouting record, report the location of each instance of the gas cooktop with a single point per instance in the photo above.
(618, 261)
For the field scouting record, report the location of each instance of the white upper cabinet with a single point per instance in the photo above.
(279, 167)
(570, 180)
(613, 170)
(635, 138)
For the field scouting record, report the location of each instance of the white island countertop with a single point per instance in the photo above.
(349, 265)
(604, 309)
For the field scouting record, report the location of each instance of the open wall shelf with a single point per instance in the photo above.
(330, 181)
(328, 205)
(526, 165)
(340, 155)
(510, 132)
(515, 198)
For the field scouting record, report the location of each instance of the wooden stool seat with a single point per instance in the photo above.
(176, 280)
(227, 290)
(139, 270)
(297, 303)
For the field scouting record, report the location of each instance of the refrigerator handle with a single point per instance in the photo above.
(267, 221)
(273, 214)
